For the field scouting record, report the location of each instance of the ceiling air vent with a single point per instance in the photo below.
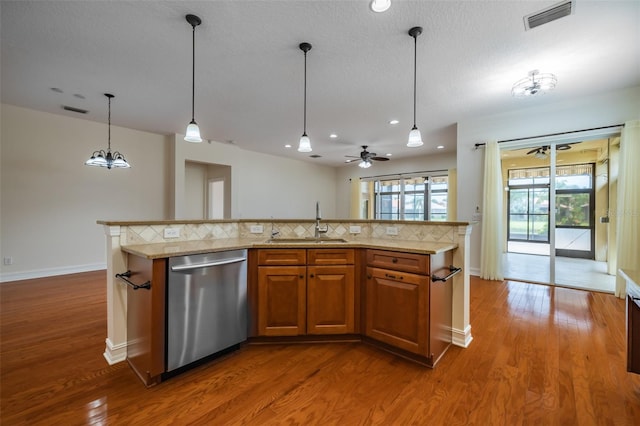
(549, 14)
(72, 109)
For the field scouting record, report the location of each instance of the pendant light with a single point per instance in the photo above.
(193, 131)
(415, 138)
(305, 142)
(107, 159)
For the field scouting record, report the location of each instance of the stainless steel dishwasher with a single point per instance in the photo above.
(206, 305)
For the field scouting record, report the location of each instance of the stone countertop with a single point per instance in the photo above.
(633, 281)
(183, 248)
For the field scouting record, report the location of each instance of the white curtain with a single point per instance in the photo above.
(491, 250)
(628, 208)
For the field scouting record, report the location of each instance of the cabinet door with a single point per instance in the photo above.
(397, 310)
(146, 319)
(281, 300)
(330, 299)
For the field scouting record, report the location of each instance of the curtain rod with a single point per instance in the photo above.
(478, 145)
(404, 174)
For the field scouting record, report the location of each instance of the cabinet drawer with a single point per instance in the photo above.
(269, 257)
(330, 256)
(408, 262)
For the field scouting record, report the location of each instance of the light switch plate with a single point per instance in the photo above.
(355, 229)
(171, 232)
(257, 229)
(392, 230)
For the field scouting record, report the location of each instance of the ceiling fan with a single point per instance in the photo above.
(541, 151)
(365, 158)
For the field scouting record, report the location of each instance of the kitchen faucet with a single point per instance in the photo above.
(319, 230)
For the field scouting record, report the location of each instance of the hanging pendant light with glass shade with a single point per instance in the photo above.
(193, 131)
(107, 159)
(305, 142)
(415, 138)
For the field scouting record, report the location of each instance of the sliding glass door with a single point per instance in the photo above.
(558, 228)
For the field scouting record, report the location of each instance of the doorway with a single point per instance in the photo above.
(558, 229)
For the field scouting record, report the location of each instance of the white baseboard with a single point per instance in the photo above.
(115, 353)
(474, 271)
(41, 273)
(462, 337)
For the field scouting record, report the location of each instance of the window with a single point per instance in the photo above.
(404, 198)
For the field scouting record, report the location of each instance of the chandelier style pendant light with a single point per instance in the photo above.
(193, 131)
(415, 138)
(107, 159)
(534, 84)
(305, 142)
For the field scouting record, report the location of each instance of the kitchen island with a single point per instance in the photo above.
(442, 242)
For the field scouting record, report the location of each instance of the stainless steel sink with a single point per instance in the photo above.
(306, 240)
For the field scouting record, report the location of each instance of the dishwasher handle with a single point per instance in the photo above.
(181, 268)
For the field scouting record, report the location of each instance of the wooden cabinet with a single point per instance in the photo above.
(146, 319)
(282, 300)
(633, 326)
(304, 291)
(330, 299)
(397, 309)
(405, 308)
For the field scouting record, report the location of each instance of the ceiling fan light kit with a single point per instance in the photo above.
(193, 131)
(415, 138)
(366, 157)
(534, 84)
(305, 142)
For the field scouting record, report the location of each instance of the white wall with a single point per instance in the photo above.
(50, 200)
(262, 186)
(582, 113)
(350, 172)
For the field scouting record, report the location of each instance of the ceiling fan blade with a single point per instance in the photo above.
(351, 156)
(379, 158)
(533, 150)
(563, 147)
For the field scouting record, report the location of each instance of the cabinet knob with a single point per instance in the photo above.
(394, 260)
(301, 276)
(310, 275)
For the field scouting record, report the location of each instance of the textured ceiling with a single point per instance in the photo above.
(249, 70)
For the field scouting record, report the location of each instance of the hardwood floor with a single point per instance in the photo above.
(540, 355)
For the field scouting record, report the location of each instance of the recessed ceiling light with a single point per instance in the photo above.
(287, 146)
(57, 90)
(389, 154)
(393, 121)
(440, 147)
(79, 96)
(333, 136)
(380, 5)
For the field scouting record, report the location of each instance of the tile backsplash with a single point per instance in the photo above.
(155, 233)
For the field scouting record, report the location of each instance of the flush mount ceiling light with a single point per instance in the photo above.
(305, 142)
(534, 84)
(380, 5)
(415, 138)
(107, 159)
(193, 131)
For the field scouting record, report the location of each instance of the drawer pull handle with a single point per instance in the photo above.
(393, 277)
(453, 270)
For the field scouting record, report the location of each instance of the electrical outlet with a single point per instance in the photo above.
(257, 229)
(8, 260)
(171, 232)
(355, 229)
(392, 230)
